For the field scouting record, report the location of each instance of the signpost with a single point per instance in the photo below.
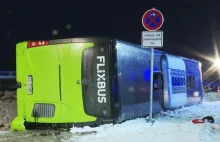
(152, 39)
(152, 20)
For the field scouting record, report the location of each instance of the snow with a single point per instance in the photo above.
(7, 108)
(172, 126)
(169, 126)
(3, 132)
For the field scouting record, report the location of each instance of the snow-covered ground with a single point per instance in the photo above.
(169, 126)
(7, 109)
(172, 126)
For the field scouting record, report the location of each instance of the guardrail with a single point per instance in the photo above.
(8, 81)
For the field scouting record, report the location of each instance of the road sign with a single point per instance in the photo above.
(152, 39)
(152, 20)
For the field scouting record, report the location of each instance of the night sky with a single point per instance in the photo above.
(189, 26)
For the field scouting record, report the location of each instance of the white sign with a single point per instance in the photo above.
(152, 39)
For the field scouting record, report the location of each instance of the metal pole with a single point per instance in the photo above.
(151, 81)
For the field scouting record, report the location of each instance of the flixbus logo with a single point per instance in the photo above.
(101, 80)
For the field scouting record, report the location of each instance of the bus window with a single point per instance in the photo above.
(157, 81)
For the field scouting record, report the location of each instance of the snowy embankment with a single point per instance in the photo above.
(7, 108)
(172, 126)
(169, 126)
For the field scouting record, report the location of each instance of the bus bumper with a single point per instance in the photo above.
(18, 124)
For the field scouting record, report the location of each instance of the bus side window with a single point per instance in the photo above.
(191, 82)
(158, 81)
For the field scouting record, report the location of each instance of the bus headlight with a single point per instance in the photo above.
(196, 94)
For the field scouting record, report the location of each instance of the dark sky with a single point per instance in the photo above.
(189, 25)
